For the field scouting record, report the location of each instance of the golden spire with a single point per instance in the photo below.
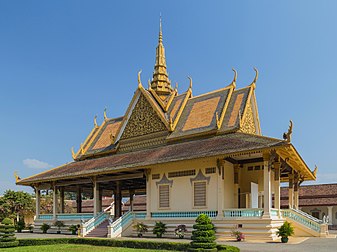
(160, 81)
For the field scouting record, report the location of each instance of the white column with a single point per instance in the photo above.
(291, 191)
(277, 174)
(55, 203)
(96, 196)
(220, 193)
(236, 185)
(266, 186)
(37, 202)
(330, 214)
(148, 195)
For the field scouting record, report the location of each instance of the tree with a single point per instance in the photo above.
(15, 204)
(7, 238)
(203, 236)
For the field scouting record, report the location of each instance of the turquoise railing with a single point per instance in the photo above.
(303, 218)
(94, 222)
(126, 219)
(77, 216)
(274, 212)
(242, 213)
(193, 214)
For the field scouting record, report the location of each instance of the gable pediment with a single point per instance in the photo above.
(143, 120)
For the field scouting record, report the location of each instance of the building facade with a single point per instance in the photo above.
(189, 155)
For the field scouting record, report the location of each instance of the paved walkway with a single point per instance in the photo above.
(296, 244)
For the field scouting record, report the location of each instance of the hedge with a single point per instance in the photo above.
(140, 244)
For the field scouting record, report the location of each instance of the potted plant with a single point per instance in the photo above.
(239, 236)
(285, 231)
(159, 229)
(20, 225)
(180, 231)
(140, 228)
(59, 225)
(30, 228)
(44, 227)
(73, 229)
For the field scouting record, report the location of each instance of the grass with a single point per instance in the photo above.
(73, 247)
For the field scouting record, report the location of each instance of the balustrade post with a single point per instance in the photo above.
(266, 186)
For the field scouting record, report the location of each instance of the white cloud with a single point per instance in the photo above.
(36, 164)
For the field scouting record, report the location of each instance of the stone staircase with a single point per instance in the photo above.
(100, 231)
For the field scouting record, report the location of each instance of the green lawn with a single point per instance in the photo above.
(73, 247)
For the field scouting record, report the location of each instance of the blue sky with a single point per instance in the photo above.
(62, 62)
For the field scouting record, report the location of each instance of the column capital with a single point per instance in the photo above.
(266, 156)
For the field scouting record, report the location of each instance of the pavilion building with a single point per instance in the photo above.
(188, 155)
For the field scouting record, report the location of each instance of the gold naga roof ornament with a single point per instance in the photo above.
(73, 154)
(235, 77)
(253, 84)
(139, 79)
(190, 78)
(17, 178)
(104, 114)
(95, 121)
(176, 87)
(287, 135)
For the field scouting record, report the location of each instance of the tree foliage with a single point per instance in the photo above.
(15, 204)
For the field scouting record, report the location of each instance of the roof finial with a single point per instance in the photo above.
(73, 154)
(287, 136)
(104, 114)
(256, 77)
(139, 80)
(235, 77)
(95, 121)
(190, 81)
(160, 30)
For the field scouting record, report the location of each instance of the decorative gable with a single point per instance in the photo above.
(248, 123)
(143, 120)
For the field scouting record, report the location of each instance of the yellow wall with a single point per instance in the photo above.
(181, 192)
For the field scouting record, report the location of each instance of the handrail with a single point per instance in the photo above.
(117, 226)
(91, 224)
(303, 218)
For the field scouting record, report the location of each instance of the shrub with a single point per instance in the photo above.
(140, 228)
(137, 244)
(180, 231)
(7, 236)
(59, 225)
(45, 228)
(73, 229)
(20, 225)
(239, 236)
(285, 231)
(227, 248)
(203, 236)
(159, 229)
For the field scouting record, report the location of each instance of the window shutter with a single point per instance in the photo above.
(164, 196)
(200, 193)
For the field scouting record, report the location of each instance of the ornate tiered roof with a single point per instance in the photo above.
(161, 126)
